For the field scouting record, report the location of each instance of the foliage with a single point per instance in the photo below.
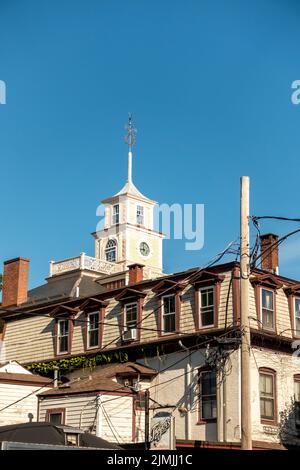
(66, 365)
(288, 432)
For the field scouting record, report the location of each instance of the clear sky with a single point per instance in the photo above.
(209, 84)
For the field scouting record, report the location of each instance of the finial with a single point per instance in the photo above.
(130, 140)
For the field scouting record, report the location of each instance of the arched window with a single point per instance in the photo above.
(111, 251)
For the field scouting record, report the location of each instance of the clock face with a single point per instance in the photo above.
(144, 249)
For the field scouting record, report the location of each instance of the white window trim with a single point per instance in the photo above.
(59, 336)
(116, 248)
(142, 214)
(294, 313)
(163, 332)
(125, 313)
(261, 309)
(113, 214)
(88, 330)
(200, 306)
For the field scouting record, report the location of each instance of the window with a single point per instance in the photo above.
(116, 215)
(207, 315)
(169, 313)
(297, 317)
(111, 251)
(297, 401)
(267, 309)
(208, 395)
(93, 330)
(131, 314)
(56, 416)
(140, 401)
(267, 395)
(63, 336)
(140, 215)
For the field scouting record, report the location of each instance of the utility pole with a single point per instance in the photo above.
(147, 406)
(246, 437)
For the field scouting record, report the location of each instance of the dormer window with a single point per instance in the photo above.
(169, 313)
(140, 215)
(93, 330)
(131, 315)
(63, 336)
(207, 307)
(267, 309)
(116, 214)
(297, 316)
(111, 251)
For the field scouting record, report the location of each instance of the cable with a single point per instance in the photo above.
(189, 277)
(29, 394)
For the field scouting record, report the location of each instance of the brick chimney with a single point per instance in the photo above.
(269, 252)
(135, 273)
(15, 282)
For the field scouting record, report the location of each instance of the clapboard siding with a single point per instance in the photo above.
(80, 410)
(115, 419)
(32, 339)
(18, 412)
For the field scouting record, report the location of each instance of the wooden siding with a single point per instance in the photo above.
(32, 339)
(79, 410)
(18, 413)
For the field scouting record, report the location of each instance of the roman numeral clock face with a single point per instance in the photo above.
(144, 249)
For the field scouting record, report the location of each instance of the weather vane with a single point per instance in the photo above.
(130, 138)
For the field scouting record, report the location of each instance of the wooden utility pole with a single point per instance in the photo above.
(246, 438)
(147, 409)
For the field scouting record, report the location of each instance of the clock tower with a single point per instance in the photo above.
(128, 235)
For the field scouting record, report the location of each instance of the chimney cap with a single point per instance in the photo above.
(268, 235)
(136, 265)
(20, 258)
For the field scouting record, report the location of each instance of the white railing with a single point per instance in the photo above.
(83, 262)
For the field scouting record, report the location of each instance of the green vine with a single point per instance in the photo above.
(83, 362)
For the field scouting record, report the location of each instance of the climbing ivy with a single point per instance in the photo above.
(88, 362)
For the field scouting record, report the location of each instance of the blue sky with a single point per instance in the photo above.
(209, 84)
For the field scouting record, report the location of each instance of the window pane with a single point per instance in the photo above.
(55, 418)
(169, 323)
(207, 306)
(267, 399)
(131, 315)
(207, 317)
(63, 335)
(297, 390)
(208, 386)
(93, 329)
(267, 299)
(297, 307)
(169, 304)
(267, 319)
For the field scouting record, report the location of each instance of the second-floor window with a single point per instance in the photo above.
(116, 214)
(168, 313)
(207, 310)
(111, 251)
(297, 317)
(267, 395)
(63, 336)
(93, 330)
(131, 315)
(140, 215)
(208, 395)
(267, 309)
